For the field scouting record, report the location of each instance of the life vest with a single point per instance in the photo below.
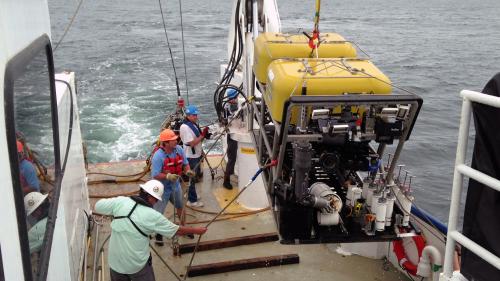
(194, 127)
(138, 201)
(173, 165)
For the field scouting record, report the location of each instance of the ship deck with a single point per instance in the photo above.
(317, 261)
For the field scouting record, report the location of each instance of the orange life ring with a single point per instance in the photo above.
(400, 252)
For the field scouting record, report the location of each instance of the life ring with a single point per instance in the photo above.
(400, 252)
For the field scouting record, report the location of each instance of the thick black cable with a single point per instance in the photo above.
(169, 50)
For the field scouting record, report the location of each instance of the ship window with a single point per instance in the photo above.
(31, 122)
(2, 277)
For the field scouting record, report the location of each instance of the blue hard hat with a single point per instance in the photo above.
(231, 94)
(192, 110)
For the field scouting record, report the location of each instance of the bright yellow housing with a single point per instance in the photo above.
(321, 77)
(271, 46)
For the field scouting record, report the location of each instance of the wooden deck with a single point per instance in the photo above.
(317, 262)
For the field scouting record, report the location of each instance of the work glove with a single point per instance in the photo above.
(204, 132)
(172, 177)
(191, 174)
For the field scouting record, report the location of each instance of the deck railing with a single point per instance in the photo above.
(461, 170)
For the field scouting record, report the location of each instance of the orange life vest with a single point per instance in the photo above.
(173, 165)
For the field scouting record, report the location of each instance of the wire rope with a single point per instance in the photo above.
(184, 52)
(68, 26)
(169, 50)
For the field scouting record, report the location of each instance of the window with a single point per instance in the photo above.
(31, 121)
(2, 277)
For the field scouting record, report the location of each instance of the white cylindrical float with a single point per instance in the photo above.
(390, 208)
(366, 184)
(348, 198)
(369, 194)
(406, 206)
(374, 202)
(255, 196)
(380, 211)
(356, 194)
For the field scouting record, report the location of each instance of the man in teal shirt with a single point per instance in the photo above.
(37, 210)
(134, 220)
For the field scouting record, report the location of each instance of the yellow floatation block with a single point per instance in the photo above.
(321, 77)
(270, 46)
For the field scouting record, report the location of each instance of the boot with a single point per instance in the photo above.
(159, 240)
(227, 182)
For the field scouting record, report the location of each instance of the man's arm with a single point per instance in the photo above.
(157, 167)
(105, 206)
(187, 136)
(31, 182)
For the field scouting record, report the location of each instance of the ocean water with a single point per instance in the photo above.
(126, 81)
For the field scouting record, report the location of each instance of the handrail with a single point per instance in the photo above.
(461, 170)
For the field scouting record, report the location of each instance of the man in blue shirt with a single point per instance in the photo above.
(167, 165)
(29, 177)
(134, 220)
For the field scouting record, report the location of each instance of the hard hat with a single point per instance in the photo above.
(192, 110)
(231, 94)
(167, 135)
(32, 201)
(154, 188)
(20, 146)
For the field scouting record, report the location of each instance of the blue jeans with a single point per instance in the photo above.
(172, 193)
(193, 162)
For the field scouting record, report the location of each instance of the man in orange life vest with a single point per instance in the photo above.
(29, 178)
(167, 165)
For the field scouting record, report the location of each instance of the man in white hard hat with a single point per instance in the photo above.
(134, 220)
(37, 209)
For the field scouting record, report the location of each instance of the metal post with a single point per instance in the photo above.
(255, 19)
(463, 134)
(399, 148)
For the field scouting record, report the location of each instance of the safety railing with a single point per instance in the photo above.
(461, 171)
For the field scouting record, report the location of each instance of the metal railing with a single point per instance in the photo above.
(461, 170)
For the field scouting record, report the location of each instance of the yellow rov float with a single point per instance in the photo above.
(283, 67)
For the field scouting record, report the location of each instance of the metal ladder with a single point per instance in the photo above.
(461, 170)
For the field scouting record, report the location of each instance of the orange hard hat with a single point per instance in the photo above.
(20, 146)
(167, 135)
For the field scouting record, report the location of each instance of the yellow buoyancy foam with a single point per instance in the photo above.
(270, 46)
(321, 77)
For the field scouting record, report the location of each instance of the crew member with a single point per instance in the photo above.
(134, 220)
(29, 178)
(232, 146)
(167, 165)
(192, 137)
(36, 206)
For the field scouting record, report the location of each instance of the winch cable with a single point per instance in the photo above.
(184, 52)
(234, 60)
(314, 39)
(260, 170)
(165, 263)
(170, 51)
(68, 26)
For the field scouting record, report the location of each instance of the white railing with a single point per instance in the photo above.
(461, 170)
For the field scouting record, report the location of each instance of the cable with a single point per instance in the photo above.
(184, 52)
(170, 50)
(68, 26)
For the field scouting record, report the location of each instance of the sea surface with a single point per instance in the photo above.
(126, 82)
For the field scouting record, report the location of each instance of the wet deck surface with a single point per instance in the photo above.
(317, 262)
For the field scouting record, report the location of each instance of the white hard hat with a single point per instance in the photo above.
(32, 201)
(154, 188)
